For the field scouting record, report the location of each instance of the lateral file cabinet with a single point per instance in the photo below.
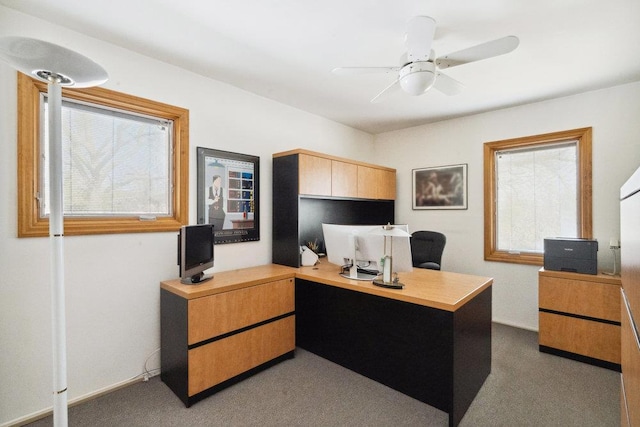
(213, 341)
(579, 317)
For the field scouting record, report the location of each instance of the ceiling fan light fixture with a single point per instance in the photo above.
(417, 78)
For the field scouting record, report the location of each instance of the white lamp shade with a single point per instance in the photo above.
(389, 230)
(38, 59)
(417, 78)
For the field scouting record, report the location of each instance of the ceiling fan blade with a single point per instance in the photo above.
(479, 52)
(345, 71)
(420, 31)
(447, 85)
(392, 88)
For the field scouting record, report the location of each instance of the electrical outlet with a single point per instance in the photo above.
(614, 243)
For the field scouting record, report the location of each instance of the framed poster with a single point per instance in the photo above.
(229, 194)
(441, 187)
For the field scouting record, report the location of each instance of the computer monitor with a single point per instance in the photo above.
(195, 252)
(343, 243)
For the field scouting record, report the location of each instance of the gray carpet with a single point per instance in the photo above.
(525, 388)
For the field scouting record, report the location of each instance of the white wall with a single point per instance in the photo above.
(112, 281)
(614, 115)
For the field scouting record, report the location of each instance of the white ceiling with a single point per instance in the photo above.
(285, 49)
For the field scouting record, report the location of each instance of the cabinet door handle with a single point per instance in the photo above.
(634, 328)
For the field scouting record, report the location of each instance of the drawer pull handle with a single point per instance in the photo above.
(631, 319)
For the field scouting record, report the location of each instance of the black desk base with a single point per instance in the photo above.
(439, 357)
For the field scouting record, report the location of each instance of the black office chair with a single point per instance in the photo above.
(427, 248)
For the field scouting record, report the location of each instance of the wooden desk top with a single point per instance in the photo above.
(438, 289)
(230, 280)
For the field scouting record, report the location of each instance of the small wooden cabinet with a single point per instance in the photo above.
(579, 317)
(233, 326)
(315, 176)
(375, 183)
(343, 177)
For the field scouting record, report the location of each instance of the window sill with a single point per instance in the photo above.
(85, 226)
(527, 258)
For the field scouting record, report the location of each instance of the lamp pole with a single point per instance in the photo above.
(57, 66)
(56, 238)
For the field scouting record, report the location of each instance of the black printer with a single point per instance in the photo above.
(571, 254)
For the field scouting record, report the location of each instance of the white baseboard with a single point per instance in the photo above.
(515, 325)
(35, 416)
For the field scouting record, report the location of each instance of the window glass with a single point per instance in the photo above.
(537, 196)
(114, 162)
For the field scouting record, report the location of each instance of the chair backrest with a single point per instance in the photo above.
(427, 247)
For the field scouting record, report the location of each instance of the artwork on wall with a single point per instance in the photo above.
(229, 194)
(441, 187)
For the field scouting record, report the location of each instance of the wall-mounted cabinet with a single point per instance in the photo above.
(321, 175)
(376, 183)
(310, 188)
(343, 177)
(315, 175)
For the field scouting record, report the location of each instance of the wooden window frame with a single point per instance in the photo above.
(583, 136)
(30, 224)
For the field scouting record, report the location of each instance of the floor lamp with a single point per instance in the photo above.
(57, 66)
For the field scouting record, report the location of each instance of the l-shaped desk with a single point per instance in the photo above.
(430, 340)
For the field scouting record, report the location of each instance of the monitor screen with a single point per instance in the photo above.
(344, 242)
(195, 252)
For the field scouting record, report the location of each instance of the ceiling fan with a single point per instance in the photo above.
(420, 69)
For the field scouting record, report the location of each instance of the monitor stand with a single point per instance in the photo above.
(359, 276)
(354, 273)
(196, 279)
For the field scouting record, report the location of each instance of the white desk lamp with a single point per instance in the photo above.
(388, 279)
(57, 66)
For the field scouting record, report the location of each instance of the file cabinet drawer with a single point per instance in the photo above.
(586, 298)
(585, 337)
(213, 363)
(218, 314)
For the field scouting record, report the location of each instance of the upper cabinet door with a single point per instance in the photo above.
(344, 179)
(321, 175)
(374, 183)
(315, 175)
(386, 185)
